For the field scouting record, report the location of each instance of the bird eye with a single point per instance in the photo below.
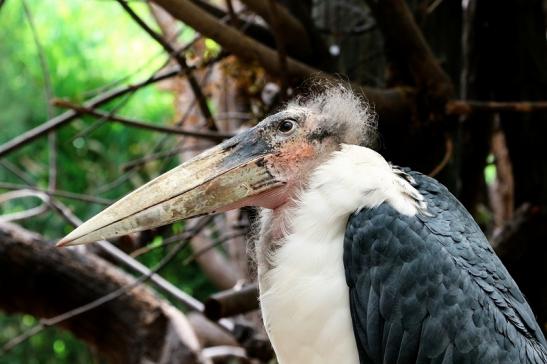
(286, 126)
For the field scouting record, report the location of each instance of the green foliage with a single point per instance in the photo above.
(49, 347)
(87, 44)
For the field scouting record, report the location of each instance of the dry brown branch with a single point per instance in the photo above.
(232, 302)
(386, 101)
(57, 193)
(464, 107)
(292, 32)
(134, 327)
(234, 20)
(135, 163)
(68, 116)
(181, 60)
(405, 39)
(141, 124)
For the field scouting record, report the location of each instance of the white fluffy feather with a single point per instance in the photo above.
(303, 292)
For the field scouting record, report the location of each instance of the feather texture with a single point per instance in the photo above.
(448, 290)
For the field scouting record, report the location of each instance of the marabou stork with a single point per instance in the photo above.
(359, 261)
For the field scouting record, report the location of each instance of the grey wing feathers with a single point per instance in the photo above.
(430, 289)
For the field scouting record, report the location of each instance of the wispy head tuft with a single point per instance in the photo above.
(338, 104)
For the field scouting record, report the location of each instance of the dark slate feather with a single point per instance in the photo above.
(429, 288)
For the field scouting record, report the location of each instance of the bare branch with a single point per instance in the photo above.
(464, 107)
(140, 124)
(389, 101)
(136, 325)
(406, 41)
(48, 93)
(232, 302)
(292, 33)
(194, 85)
(449, 150)
(225, 352)
(21, 215)
(57, 193)
(66, 117)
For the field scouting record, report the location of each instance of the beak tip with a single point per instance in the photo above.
(74, 238)
(62, 243)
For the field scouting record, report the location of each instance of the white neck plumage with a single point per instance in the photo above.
(304, 297)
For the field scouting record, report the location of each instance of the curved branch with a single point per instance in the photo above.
(388, 101)
(405, 39)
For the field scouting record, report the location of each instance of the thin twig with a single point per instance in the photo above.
(16, 171)
(449, 149)
(160, 155)
(140, 124)
(57, 193)
(48, 94)
(280, 44)
(66, 117)
(205, 249)
(173, 239)
(26, 214)
(98, 123)
(194, 85)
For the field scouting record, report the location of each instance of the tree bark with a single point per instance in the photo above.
(45, 281)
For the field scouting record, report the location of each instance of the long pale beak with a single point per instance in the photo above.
(225, 177)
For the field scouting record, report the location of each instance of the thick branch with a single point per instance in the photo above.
(46, 282)
(232, 302)
(408, 45)
(292, 32)
(398, 100)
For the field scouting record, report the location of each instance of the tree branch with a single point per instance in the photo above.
(292, 32)
(57, 193)
(48, 93)
(389, 102)
(141, 124)
(66, 117)
(464, 107)
(232, 302)
(180, 59)
(134, 327)
(406, 41)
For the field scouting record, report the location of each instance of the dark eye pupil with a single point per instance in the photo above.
(286, 126)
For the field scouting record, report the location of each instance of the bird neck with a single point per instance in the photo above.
(351, 179)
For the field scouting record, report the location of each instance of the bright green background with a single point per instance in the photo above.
(88, 44)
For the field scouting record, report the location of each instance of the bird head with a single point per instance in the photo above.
(263, 166)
